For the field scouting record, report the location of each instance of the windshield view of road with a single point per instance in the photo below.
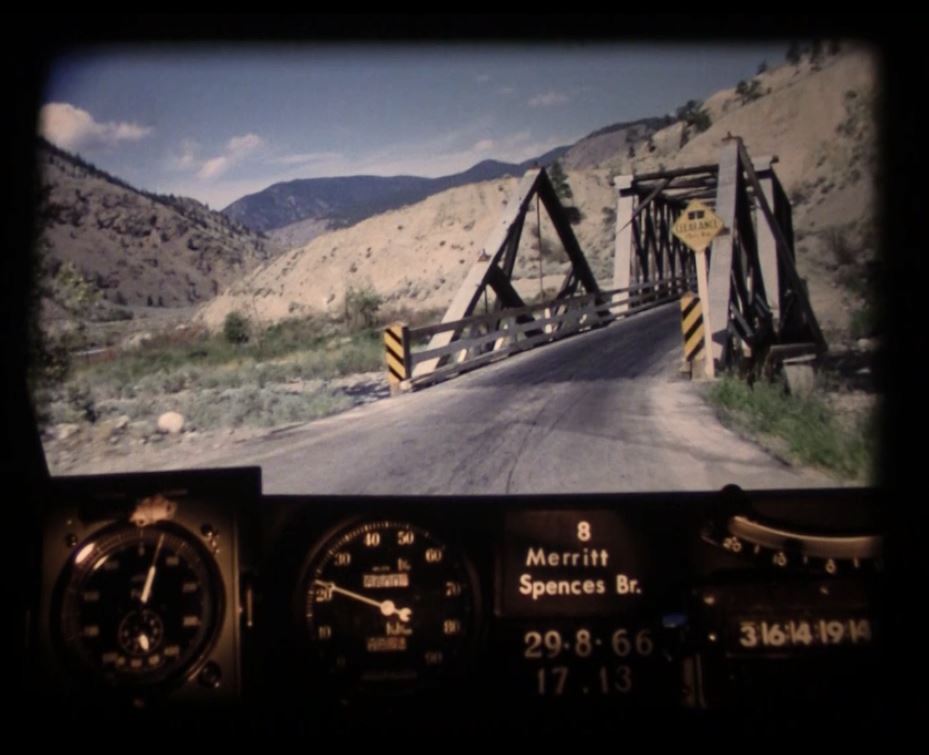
(679, 299)
(603, 411)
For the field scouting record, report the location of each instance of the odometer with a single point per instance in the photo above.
(388, 606)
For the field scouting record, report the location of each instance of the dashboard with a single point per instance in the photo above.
(192, 601)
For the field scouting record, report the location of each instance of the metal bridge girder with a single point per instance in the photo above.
(494, 267)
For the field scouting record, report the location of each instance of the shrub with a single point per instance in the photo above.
(71, 289)
(115, 314)
(609, 217)
(842, 250)
(361, 306)
(808, 427)
(560, 181)
(574, 215)
(236, 328)
(816, 51)
(863, 322)
(693, 117)
(550, 251)
(748, 92)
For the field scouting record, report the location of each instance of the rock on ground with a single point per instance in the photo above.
(171, 423)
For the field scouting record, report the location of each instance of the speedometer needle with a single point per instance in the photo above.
(388, 608)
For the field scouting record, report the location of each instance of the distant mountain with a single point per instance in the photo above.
(135, 248)
(345, 200)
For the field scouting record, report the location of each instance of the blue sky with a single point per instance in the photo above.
(216, 123)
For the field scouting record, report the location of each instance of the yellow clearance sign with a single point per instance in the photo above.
(697, 225)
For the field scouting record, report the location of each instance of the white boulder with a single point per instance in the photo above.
(171, 423)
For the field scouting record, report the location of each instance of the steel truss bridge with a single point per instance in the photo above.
(756, 310)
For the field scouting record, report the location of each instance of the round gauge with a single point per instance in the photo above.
(388, 606)
(139, 606)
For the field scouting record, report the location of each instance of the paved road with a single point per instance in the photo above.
(604, 411)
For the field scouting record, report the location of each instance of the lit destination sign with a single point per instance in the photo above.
(570, 563)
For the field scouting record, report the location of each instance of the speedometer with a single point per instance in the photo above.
(388, 606)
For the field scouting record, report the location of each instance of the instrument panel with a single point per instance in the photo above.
(188, 597)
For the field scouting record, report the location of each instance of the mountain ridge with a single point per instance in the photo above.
(298, 210)
(341, 201)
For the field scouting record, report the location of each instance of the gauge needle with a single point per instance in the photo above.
(150, 577)
(388, 608)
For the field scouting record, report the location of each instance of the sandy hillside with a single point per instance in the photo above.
(817, 119)
(415, 257)
(796, 117)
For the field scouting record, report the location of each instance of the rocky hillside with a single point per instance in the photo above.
(606, 143)
(133, 248)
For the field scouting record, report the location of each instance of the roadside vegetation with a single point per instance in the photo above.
(245, 374)
(815, 430)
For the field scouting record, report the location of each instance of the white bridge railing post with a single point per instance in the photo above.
(625, 207)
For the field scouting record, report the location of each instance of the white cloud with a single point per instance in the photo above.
(72, 128)
(214, 167)
(305, 158)
(237, 149)
(482, 78)
(242, 145)
(416, 160)
(186, 157)
(549, 99)
(506, 90)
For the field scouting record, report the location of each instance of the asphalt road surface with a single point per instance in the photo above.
(599, 412)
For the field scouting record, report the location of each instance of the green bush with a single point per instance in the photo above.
(863, 322)
(361, 307)
(748, 92)
(694, 116)
(560, 181)
(236, 328)
(807, 426)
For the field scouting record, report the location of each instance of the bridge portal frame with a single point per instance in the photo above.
(755, 300)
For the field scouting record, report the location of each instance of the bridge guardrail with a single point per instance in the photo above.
(497, 335)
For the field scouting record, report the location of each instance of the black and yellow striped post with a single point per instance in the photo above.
(397, 354)
(692, 327)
